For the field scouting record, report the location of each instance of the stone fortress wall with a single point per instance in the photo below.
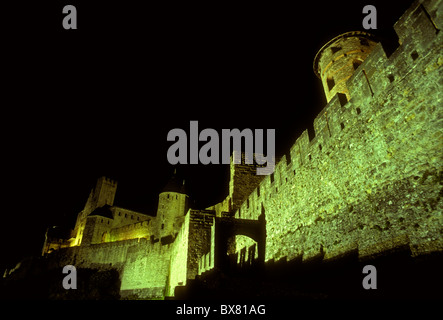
(370, 180)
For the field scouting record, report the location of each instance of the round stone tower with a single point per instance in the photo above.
(337, 60)
(172, 207)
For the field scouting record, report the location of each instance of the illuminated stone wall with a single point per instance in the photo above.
(370, 179)
(143, 266)
(146, 270)
(124, 225)
(172, 206)
(111, 254)
(96, 229)
(179, 259)
(104, 229)
(102, 194)
(131, 231)
(191, 244)
(242, 181)
(199, 242)
(123, 217)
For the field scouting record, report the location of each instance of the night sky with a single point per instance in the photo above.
(100, 100)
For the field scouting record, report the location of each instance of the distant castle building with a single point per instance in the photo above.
(100, 221)
(368, 182)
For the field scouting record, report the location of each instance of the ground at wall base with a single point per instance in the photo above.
(399, 276)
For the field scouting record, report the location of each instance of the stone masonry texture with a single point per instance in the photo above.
(370, 179)
(368, 183)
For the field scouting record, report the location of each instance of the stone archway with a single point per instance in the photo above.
(227, 228)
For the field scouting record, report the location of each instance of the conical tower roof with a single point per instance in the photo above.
(175, 184)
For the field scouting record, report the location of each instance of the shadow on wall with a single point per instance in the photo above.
(399, 276)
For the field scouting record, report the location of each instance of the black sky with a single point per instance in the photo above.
(100, 100)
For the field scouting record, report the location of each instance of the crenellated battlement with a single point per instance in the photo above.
(109, 181)
(366, 182)
(363, 147)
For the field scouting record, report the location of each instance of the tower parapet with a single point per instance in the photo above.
(337, 60)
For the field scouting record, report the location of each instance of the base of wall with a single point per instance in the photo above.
(143, 294)
(399, 276)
